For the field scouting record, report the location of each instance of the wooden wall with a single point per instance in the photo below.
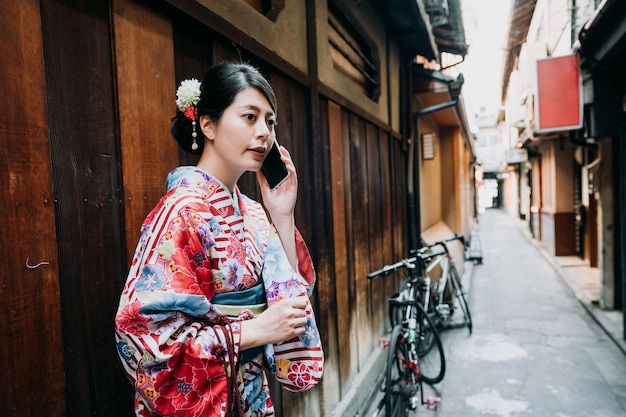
(88, 193)
(30, 298)
(367, 174)
(85, 131)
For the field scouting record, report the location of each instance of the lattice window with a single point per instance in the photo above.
(353, 54)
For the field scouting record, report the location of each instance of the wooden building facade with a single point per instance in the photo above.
(89, 90)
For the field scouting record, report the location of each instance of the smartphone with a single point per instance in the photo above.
(274, 168)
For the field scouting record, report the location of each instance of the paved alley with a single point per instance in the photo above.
(535, 350)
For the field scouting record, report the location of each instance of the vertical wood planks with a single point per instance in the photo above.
(376, 205)
(330, 261)
(360, 236)
(29, 285)
(341, 217)
(387, 213)
(85, 161)
(399, 174)
(146, 91)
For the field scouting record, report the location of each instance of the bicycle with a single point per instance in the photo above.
(447, 295)
(415, 352)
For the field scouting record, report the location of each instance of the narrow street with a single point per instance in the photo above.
(535, 350)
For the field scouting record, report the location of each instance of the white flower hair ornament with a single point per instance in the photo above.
(187, 97)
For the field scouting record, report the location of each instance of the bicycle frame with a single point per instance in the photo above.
(448, 288)
(413, 336)
(412, 358)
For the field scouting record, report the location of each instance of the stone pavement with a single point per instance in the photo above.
(540, 346)
(584, 283)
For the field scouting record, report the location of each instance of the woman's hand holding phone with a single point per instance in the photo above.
(280, 203)
(274, 168)
(278, 182)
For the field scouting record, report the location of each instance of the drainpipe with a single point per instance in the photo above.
(414, 215)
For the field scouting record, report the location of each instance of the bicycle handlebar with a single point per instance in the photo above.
(442, 243)
(421, 255)
(457, 236)
(408, 263)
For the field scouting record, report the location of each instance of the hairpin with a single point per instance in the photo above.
(187, 97)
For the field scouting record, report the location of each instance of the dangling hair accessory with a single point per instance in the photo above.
(187, 97)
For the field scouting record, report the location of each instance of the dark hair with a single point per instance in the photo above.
(220, 85)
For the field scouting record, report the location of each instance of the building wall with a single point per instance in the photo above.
(511, 192)
(552, 194)
(551, 187)
(364, 15)
(286, 35)
(32, 342)
(86, 119)
(446, 188)
(607, 219)
(564, 172)
(431, 180)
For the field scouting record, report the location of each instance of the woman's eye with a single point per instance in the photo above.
(250, 116)
(272, 123)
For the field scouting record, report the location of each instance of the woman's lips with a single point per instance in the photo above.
(259, 151)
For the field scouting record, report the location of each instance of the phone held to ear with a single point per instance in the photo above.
(274, 168)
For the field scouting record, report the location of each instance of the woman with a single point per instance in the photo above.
(215, 287)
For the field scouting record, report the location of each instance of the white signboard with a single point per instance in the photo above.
(516, 155)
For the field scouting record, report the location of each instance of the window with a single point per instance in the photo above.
(352, 54)
(428, 146)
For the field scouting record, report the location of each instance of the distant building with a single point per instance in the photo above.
(563, 99)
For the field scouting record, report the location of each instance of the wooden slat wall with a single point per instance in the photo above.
(360, 216)
(30, 323)
(376, 232)
(146, 85)
(388, 220)
(368, 208)
(348, 348)
(333, 294)
(341, 201)
(399, 233)
(83, 139)
(107, 104)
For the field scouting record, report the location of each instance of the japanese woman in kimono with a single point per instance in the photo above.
(217, 291)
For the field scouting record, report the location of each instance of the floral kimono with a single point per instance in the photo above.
(181, 352)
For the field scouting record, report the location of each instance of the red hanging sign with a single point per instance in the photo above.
(559, 94)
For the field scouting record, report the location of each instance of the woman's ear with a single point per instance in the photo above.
(207, 126)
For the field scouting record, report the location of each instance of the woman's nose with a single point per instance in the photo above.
(263, 129)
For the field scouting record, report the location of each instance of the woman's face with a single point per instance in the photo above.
(239, 141)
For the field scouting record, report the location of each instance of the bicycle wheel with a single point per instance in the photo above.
(432, 361)
(457, 290)
(401, 377)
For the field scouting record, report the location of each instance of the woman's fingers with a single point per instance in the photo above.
(286, 319)
(296, 312)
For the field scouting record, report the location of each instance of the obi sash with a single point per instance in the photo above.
(234, 302)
